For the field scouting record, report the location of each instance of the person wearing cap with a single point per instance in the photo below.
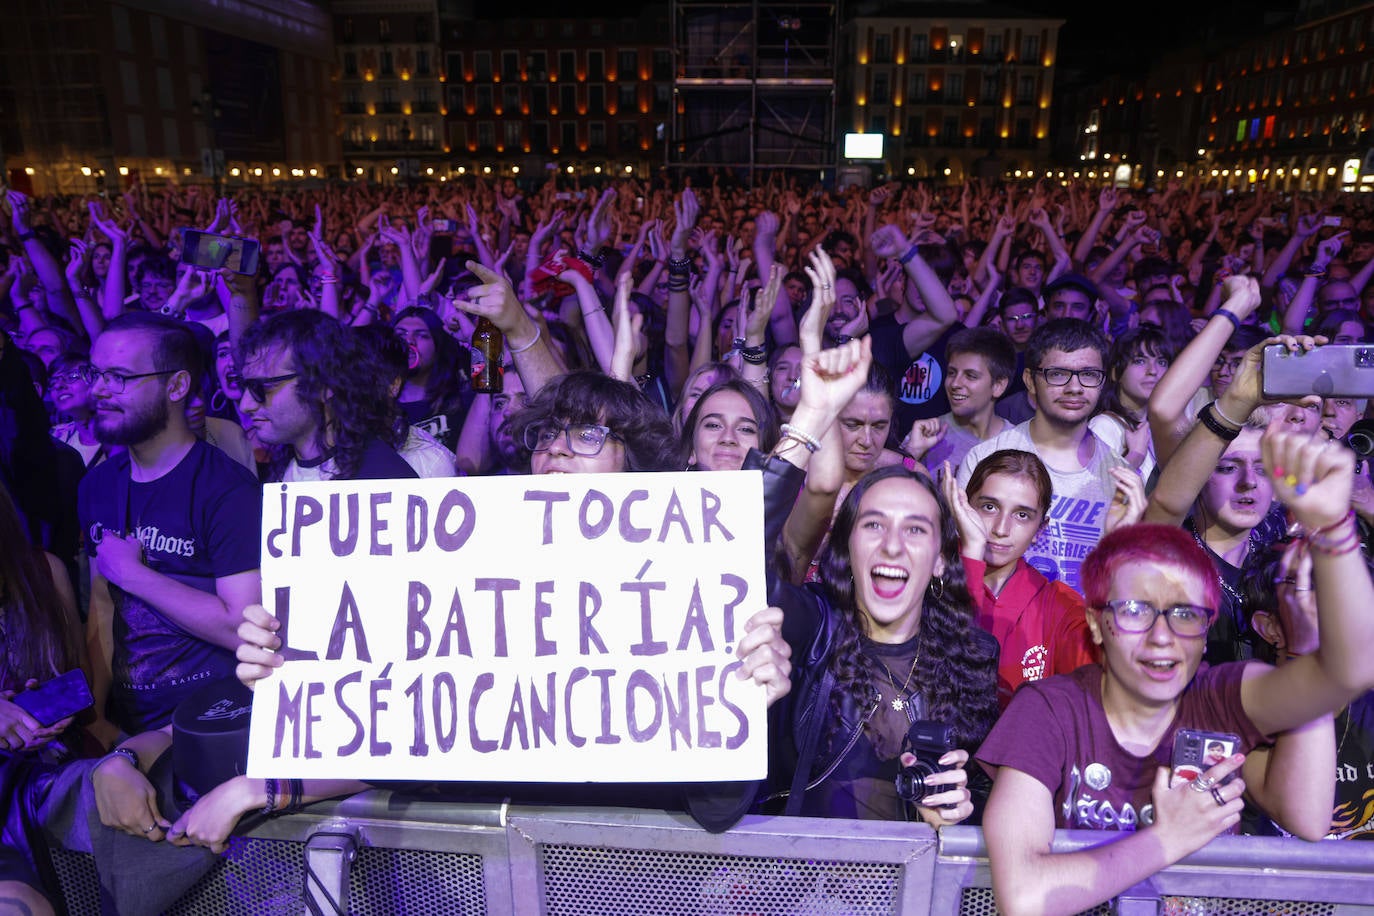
(1071, 296)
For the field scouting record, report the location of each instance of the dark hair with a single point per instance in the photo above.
(1149, 267)
(759, 406)
(329, 366)
(448, 376)
(957, 670)
(174, 346)
(1245, 337)
(995, 347)
(835, 237)
(1330, 323)
(383, 350)
(1017, 295)
(1174, 319)
(1066, 334)
(856, 276)
(158, 265)
(1141, 341)
(40, 642)
(593, 397)
(1015, 463)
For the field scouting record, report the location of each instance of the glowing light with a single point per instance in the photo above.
(86, 170)
(486, 170)
(515, 170)
(28, 170)
(234, 171)
(358, 170)
(629, 169)
(257, 172)
(124, 170)
(462, 170)
(596, 169)
(429, 171)
(158, 170)
(947, 170)
(569, 170)
(314, 172)
(911, 170)
(276, 173)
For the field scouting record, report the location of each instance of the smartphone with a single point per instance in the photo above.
(1196, 752)
(51, 702)
(1333, 370)
(445, 226)
(204, 249)
(1332, 221)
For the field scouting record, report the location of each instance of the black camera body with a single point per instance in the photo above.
(929, 740)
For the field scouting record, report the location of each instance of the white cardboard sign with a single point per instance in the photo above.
(563, 628)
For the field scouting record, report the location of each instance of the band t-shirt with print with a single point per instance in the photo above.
(198, 522)
(1056, 731)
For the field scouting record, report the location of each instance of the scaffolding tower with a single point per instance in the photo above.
(754, 85)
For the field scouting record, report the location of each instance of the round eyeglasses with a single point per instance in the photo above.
(586, 439)
(1186, 620)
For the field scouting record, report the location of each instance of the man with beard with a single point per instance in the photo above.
(1064, 376)
(172, 530)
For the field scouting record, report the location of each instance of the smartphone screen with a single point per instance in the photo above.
(203, 249)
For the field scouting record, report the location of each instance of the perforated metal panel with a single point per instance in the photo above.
(1226, 906)
(79, 882)
(585, 880)
(254, 877)
(407, 882)
(978, 901)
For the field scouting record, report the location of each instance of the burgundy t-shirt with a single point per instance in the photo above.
(1056, 731)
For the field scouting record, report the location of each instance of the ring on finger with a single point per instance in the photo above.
(1203, 783)
(1216, 796)
(150, 829)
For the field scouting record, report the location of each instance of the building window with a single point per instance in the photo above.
(985, 132)
(426, 133)
(882, 48)
(1025, 90)
(391, 132)
(1030, 48)
(422, 63)
(486, 135)
(954, 87)
(483, 59)
(950, 133)
(567, 99)
(991, 88)
(567, 66)
(567, 135)
(882, 91)
(384, 29)
(537, 65)
(388, 63)
(1023, 132)
(915, 128)
(596, 66)
(539, 99)
(596, 135)
(628, 98)
(422, 28)
(920, 46)
(455, 65)
(484, 100)
(662, 97)
(995, 50)
(629, 65)
(347, 28)
(877, 124)
(355, 134)
(916, 87)
(510, 98)
(350, 64)
(626, 137)
(510, 65)
(663, 65)
(514, 133)
(539, 136)
(596, 99)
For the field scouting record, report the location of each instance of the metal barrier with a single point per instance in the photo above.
(392, 855)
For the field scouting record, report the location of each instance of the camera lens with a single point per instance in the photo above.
(1361, 438)
(911, 781)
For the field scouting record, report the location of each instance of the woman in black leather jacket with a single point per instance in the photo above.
(886, 639)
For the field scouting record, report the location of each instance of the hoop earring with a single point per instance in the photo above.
(937, 587)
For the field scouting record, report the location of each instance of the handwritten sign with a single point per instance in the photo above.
(564, 628)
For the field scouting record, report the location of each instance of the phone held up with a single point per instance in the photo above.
(54, 700)
(212, 252)
(1333, 370)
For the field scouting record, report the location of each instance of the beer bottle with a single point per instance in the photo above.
(487, 371)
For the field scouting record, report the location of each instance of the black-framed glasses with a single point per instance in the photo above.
(115, 381)
(63, 379)
(1187, 620)
(586, 439)
(1088, 378)
(259, 387)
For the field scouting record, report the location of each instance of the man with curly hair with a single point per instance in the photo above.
(303, 392)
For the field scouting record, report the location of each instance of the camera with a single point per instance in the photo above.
(1360, 438)
(929, 741)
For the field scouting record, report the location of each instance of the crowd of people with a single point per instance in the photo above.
(1030, 513)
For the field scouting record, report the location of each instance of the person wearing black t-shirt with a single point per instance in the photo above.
(172, 530)
(303, 392)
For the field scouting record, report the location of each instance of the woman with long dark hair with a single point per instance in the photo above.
(38, 641)
(885, 639)
(727, 420)
(435, 395)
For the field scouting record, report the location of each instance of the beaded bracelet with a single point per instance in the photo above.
(1206, 418)
(808, 441)
(679, 265)
(755, 355)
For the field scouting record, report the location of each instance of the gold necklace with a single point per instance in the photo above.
(900, 697)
